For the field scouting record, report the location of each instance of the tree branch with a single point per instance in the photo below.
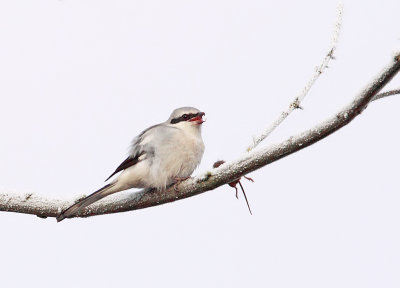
(386, 94)
(226, 173)
(295, 104)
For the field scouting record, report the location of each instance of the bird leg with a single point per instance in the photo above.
(178, 181)
(248, 178)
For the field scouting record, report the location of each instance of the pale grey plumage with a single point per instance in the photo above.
(157, 157)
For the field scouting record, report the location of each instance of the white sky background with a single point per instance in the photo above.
(79, 79)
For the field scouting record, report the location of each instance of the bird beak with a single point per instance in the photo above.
(199, 118)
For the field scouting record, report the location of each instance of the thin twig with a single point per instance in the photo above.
(386, 94)
(295, 104)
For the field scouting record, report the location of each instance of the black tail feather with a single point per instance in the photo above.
(95, 196)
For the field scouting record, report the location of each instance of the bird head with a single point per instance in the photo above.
(186, 117)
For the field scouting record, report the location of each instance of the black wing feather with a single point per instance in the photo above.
(132, 160)
(128, 162)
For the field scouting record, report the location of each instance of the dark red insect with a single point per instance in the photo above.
(235, 182)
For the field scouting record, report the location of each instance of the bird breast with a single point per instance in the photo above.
(178, 158)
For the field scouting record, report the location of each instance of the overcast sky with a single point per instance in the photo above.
(79, 79)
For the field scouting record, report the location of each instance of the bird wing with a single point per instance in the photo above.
(142, 147)
(128, 162)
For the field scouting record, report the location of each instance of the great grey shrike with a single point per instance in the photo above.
(158, 157)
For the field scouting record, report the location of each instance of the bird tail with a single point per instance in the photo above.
(95, 196)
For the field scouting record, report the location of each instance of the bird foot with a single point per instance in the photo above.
(178, 181)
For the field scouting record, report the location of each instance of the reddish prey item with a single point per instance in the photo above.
(235, 182)
(198, 119)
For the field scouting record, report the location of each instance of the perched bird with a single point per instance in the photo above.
(161, 155)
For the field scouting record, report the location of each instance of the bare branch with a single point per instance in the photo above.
(295, 104)
(386, 94)
(224, 174)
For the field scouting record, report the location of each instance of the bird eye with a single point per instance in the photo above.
(185, 117)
